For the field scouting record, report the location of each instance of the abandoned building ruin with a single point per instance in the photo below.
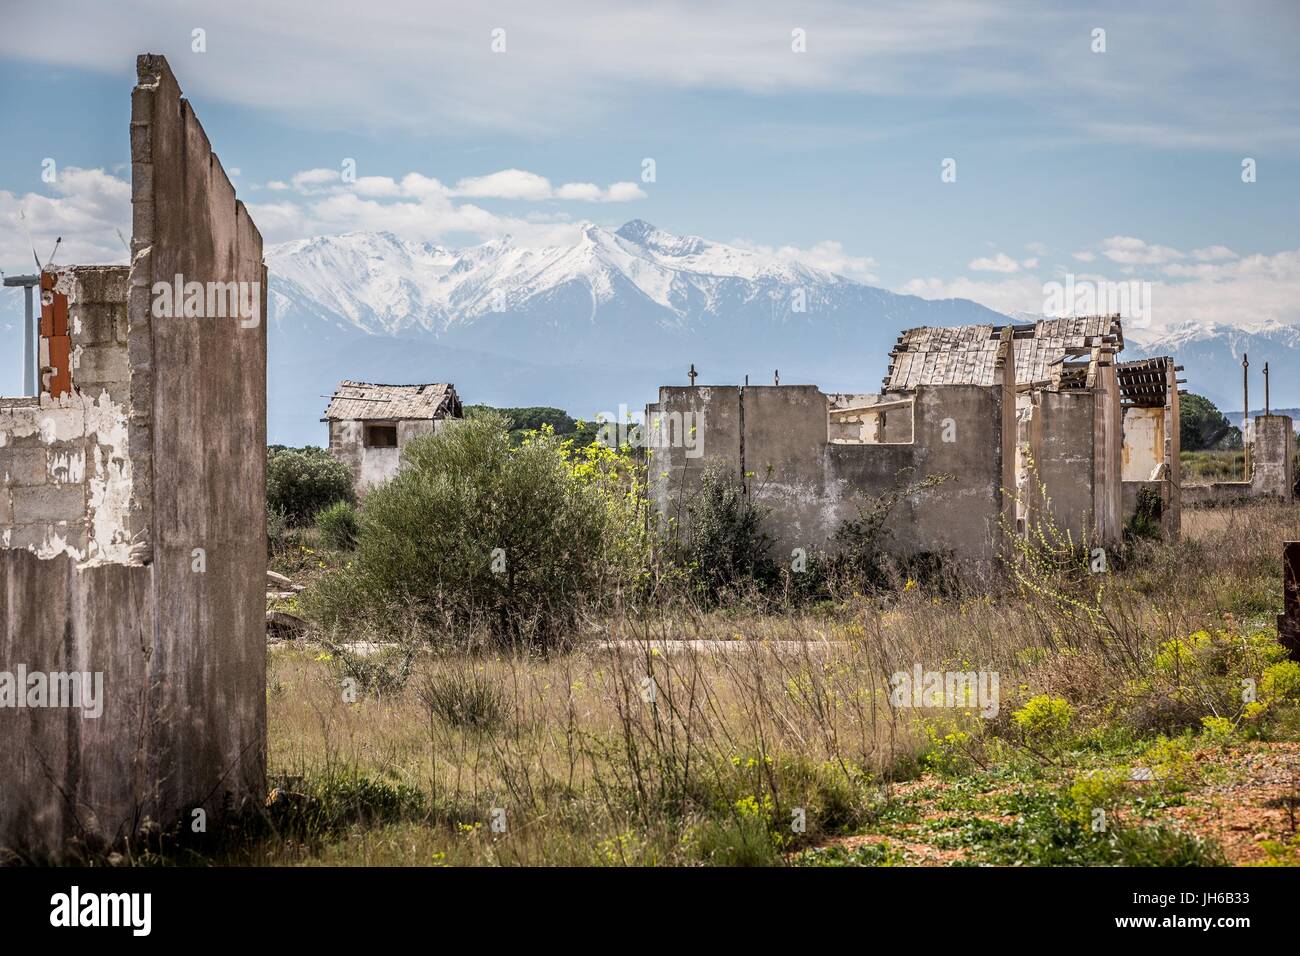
(132, 518)
(1271, 462)
(369, 424)
(1026, 422)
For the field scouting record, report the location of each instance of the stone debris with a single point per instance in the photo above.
(281, 582)
(282, 625)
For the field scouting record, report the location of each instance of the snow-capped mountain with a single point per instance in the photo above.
(589, 326)
(603, 322)
(378, 283)
(1211, 356)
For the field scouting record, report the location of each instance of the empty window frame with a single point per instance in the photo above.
(381, 436)
(880, 423)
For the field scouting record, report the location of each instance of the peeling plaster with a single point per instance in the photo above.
(76, 427)
(67, 468)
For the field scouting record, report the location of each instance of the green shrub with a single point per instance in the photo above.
(277, 530)
(1044, 720)
(1201, 675)
(477, 534)
(337, 525)
(301, 482)
(863, 558)
(1146, 519)
(725, 547)
(1096, 790)
(1280, 682)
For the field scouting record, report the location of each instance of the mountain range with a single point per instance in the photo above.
(600, 324)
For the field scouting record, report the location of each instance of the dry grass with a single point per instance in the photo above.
(635, 751)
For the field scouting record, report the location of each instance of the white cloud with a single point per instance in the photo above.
(1211, 253)
(309, 179)
(624, 192)
(520, 184)
(87, 209)
(1130, 251)
(999, 263)
(1085, 256)
(1220, 287)
(507, 184)
(377, 186)
(827, 255)
(517, 185)
(587, 192)
(88, 206)
(399, 64)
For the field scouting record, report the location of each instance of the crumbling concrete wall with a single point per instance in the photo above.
(1272, 468)
(168, 609)
(1073, 468)
(371, 465)
(780, 439)
(65, 470)
(1144, 442)
(1273, 457)
(1152, 457)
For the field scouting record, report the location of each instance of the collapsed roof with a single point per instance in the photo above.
(968, 355)
(367, 401)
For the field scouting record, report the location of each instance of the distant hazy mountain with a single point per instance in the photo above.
(605, 321)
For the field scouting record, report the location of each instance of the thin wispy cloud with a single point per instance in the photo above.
(533, 69)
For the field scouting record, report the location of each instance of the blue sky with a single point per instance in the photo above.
(1122, 164)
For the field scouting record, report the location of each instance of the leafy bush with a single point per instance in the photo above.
(301, 482)
(1044, 720)
(475, 533)
(277, 530)
(1203, 675)
(337, 525)
(862, 558)
(1096, 790)
(1145, 521)
(1280, 682)
(725, 548)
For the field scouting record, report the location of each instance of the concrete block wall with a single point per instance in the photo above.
(65, 465)
(1273, 457)
(780, 438)
(1272, 468)
(1151, 457)
(168, 607)
(1074, 460)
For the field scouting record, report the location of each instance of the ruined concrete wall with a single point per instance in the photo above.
(1152, 458)
(207, 382)
(1273, 457)
(372, 466)
(1144, 442)
(778, 437)
(962, 431)
(65, 469)
(174, 623)
(1061, 456)
(1108, 445)
(1075, 452)
(1272, 469)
